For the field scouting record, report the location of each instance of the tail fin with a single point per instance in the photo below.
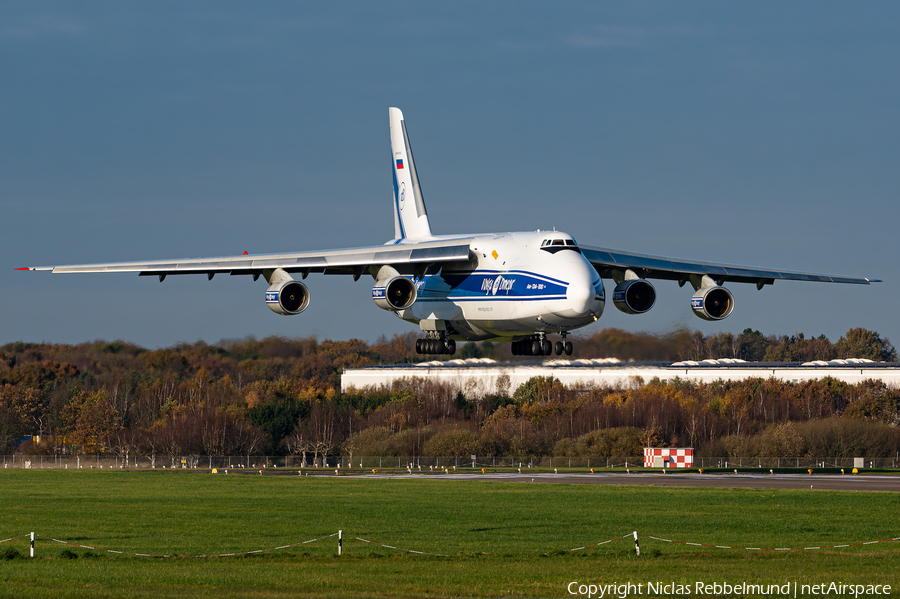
(410, 216)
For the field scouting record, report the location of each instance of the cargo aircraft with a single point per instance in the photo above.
(513, 287)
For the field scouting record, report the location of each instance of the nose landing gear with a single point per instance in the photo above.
(539, 345)
(564, 347)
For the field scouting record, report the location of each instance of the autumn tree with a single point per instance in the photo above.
(863, 343)
(91, 421)
(19, 410)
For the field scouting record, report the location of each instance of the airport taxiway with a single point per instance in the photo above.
(829, 482)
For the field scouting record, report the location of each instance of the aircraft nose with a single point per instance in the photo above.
(580, 296)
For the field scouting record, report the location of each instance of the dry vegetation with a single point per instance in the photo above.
(277, 396)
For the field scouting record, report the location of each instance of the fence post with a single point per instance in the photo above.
(637, 548)
(340, 542)
(32, 544)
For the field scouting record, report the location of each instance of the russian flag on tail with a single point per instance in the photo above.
(399, 163)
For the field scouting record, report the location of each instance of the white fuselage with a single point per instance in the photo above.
(517, 284)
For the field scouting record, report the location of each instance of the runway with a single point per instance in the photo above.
(825, 482)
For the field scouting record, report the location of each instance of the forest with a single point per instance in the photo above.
(281, 396)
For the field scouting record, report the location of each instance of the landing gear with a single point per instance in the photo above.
(564, 347)
(437, 343)
(539, 345)
(536, 345)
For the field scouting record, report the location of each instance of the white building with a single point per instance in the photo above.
(481, 376)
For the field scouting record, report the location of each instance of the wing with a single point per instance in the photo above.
(350, 261)
(612, 264)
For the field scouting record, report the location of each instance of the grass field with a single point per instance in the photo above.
(502, 539)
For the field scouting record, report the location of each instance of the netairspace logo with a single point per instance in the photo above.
(722, 589)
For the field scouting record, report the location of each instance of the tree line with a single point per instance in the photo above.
(280, 396)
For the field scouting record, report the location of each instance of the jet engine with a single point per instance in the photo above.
(634, 296)
(394, 293)
(287, 297)
(712, 303)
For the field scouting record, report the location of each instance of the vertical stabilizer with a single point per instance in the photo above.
(410, 216)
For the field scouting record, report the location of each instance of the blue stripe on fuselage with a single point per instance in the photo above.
(509, 273)
(491, 285)
(469, 298)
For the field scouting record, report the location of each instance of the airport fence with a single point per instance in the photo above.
(341, 535)
(417, 463)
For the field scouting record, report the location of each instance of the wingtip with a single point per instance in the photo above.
(25, 268)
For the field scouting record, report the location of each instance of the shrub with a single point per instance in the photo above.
(845, 438)
(450, 442)
(783, 440)
(9, 553)
(564, 448)
(618, 441)
(374, 441)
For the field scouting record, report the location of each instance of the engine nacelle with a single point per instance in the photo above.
(712, 303)
(287, 297)
(396, 293)
(634, 296)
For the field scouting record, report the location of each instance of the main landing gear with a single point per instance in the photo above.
(436, 342)
(539, 345)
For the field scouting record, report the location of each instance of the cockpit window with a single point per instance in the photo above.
(557, 245)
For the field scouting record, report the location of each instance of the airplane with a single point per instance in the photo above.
(506, 287)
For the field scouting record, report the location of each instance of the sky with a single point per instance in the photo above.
(760, 133)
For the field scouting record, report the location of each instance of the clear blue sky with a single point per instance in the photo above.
(760, 133)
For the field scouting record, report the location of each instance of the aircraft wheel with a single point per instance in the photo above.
(418, 346)
(451, 347)
(536, 348)
(559, 348)
(546, 347)
(514, 347)
(569, 348)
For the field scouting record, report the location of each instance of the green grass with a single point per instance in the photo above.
(503, 539)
